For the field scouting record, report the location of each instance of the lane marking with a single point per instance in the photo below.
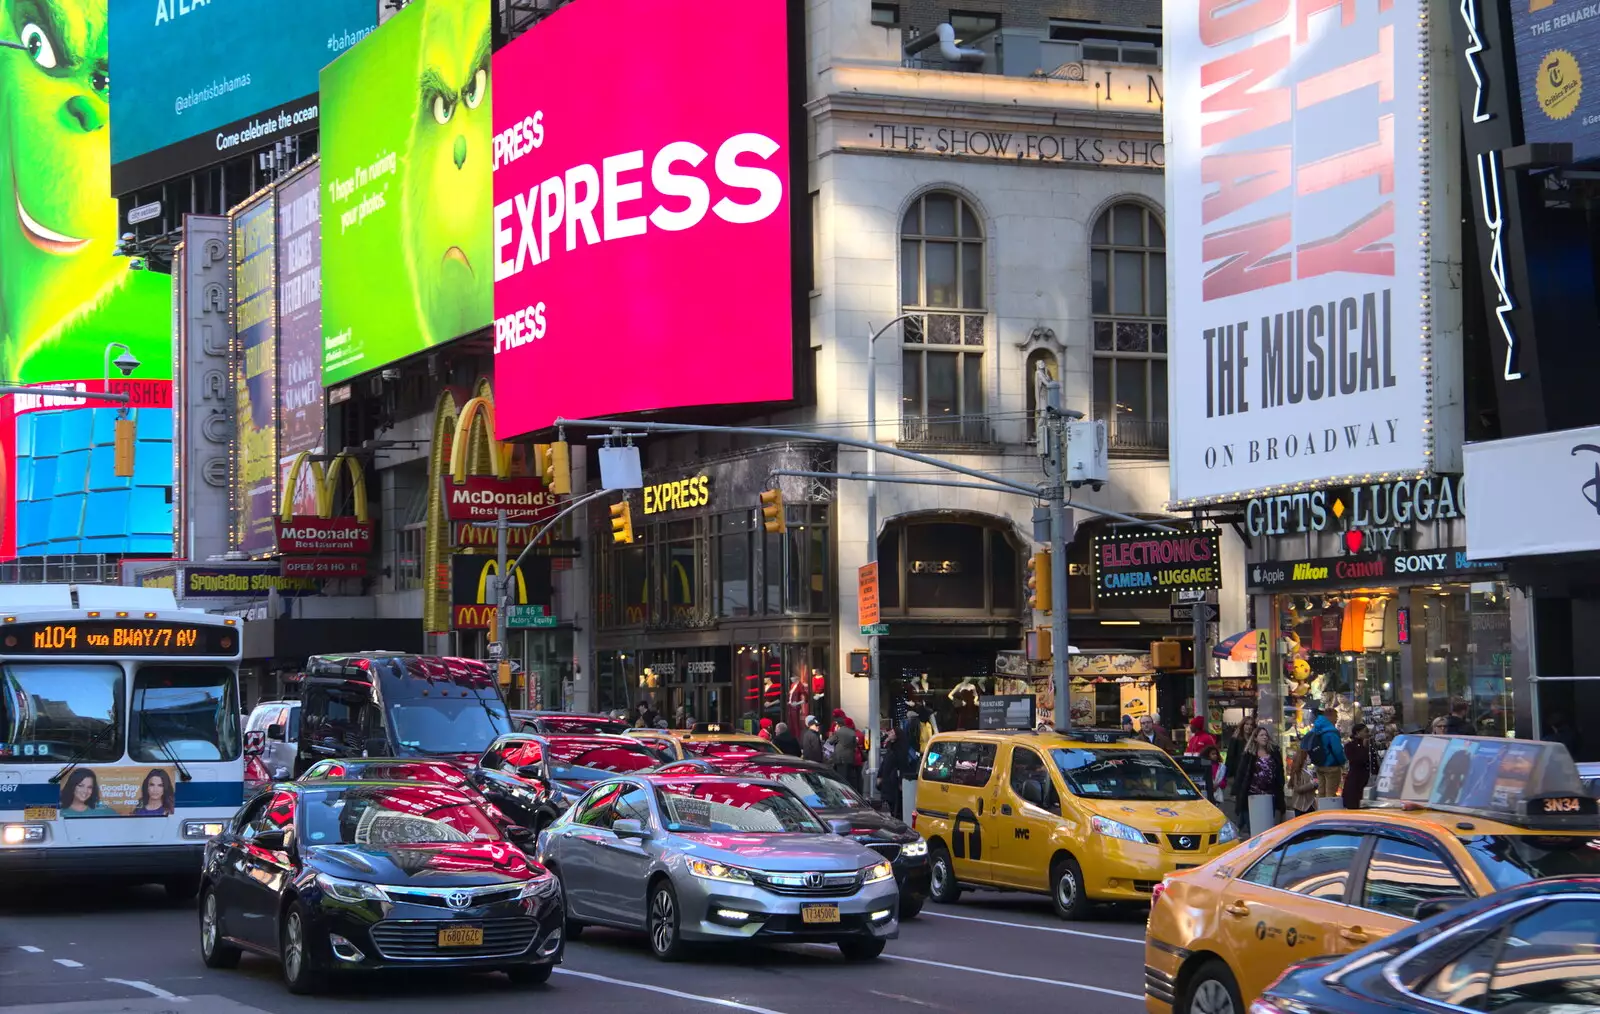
(156, 991)
(1044, 929)
(31, 949)
(1013, 975)
(664, 991)
(69, 963)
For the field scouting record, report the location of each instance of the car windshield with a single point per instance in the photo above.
(393, 815)
(726, 748)
(734, 807)
(184, 712)
(1512, 859)
(600, 755)
(815, 789)
(446, 725)
(1122, 774)
(581, 724)
(51, 712)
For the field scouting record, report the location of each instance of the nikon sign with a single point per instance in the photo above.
(482, 497)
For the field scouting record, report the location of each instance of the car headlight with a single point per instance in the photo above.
(541, 886)
(717, 871)
(1228, 833)
(22, 834)
(916, 848)
(1114, 829)
(877, 874)
(350, 890)
(199, 830)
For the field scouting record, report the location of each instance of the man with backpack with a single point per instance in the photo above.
(1325, 749)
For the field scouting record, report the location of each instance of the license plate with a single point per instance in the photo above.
(461, 936)
(814, 914)
(39, 813)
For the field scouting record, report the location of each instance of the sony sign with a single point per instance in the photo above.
(202, 396)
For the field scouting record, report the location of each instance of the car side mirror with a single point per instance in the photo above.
(530, 771)
(516, 834)
(275, 732)
(1033, 792)
(627, 827)
(841, 827)
(1435, 906)
(273, 841)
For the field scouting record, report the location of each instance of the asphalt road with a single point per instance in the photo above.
(78, 951)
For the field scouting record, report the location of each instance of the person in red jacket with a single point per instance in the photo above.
(1199, 739)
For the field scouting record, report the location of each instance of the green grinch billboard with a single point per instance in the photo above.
(65, 298)
(406, 215)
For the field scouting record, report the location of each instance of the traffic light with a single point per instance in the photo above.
(772, 511)
(621, 522)
(1039, 581)
(122, 448)
(555, 466)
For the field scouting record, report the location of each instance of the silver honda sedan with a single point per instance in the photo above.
(691, 858)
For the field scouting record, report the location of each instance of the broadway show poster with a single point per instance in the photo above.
(1558, 72)
(406, 198)
(255, 466)
(300, 409)
(132, 791)
(64, 298)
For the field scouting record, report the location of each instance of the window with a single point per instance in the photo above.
(1030, 780)
(599, 810)
(960, 763)
(1265, 871)
(1547, 960)
(634, 804)
(1108, 44)
(1122, 774)
(1318, 865)
(886, 15)
(948, 568)
(970, 25)
(52, 711)
(184, 713)
(1128, 299)
(942, 281)
(1402, 875)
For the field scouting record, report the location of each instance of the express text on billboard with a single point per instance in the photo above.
(646, 199)
(1298, 214)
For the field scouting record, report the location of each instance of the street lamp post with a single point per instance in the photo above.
(874, 673)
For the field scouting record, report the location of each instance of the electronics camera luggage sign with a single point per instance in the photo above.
(1142, 563)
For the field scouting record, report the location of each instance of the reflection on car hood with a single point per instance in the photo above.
(869, 823)
(1154, 815)
(464, 864)
(778, 852)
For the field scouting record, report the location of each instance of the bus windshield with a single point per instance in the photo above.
(184, 712)
(51, 712)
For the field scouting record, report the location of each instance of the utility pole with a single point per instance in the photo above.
(1060, 538)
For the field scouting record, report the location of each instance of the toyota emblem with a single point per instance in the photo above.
(459, 899)
(813, 880)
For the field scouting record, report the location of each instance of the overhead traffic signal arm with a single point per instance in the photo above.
(772, 516)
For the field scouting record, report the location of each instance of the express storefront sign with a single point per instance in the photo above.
(1383, 567)
(681, 494)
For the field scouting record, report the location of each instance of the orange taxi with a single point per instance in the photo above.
(1481, 815)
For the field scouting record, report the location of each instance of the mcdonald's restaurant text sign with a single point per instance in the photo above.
(303, 534)
(482, 497)
(472, 605)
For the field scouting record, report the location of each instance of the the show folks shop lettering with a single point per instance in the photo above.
(1013, 146)
(1424, 565)
(1143, 563)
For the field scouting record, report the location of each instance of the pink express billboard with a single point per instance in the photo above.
(642, 223)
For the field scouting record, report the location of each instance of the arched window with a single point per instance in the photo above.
(942, 282)
(1128, 297)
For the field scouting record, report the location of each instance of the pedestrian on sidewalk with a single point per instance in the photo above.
(891, 755)
(1239, 749)
(1360, 758)
(1325, 751)
(1261, 774)
(1200, 738)
(785, 740)
(811, 741)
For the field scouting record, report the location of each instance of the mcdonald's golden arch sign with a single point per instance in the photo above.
(471, 605)
(323, 535)
(483, 497)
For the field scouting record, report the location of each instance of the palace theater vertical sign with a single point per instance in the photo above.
(1298, 223)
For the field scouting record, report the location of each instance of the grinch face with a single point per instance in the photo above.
(448, 187)
(58, 221)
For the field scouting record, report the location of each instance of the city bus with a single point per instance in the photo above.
(120, 749)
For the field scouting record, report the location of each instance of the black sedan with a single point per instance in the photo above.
(832, 800)
(1532, 949)
(339, 876)
(533, 779)
(567, 723)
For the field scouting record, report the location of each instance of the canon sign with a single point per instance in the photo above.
(649, 198)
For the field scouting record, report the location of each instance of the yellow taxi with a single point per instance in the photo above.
(1454, 818)
(661, 741)
(709, 739)
(1090, 817)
